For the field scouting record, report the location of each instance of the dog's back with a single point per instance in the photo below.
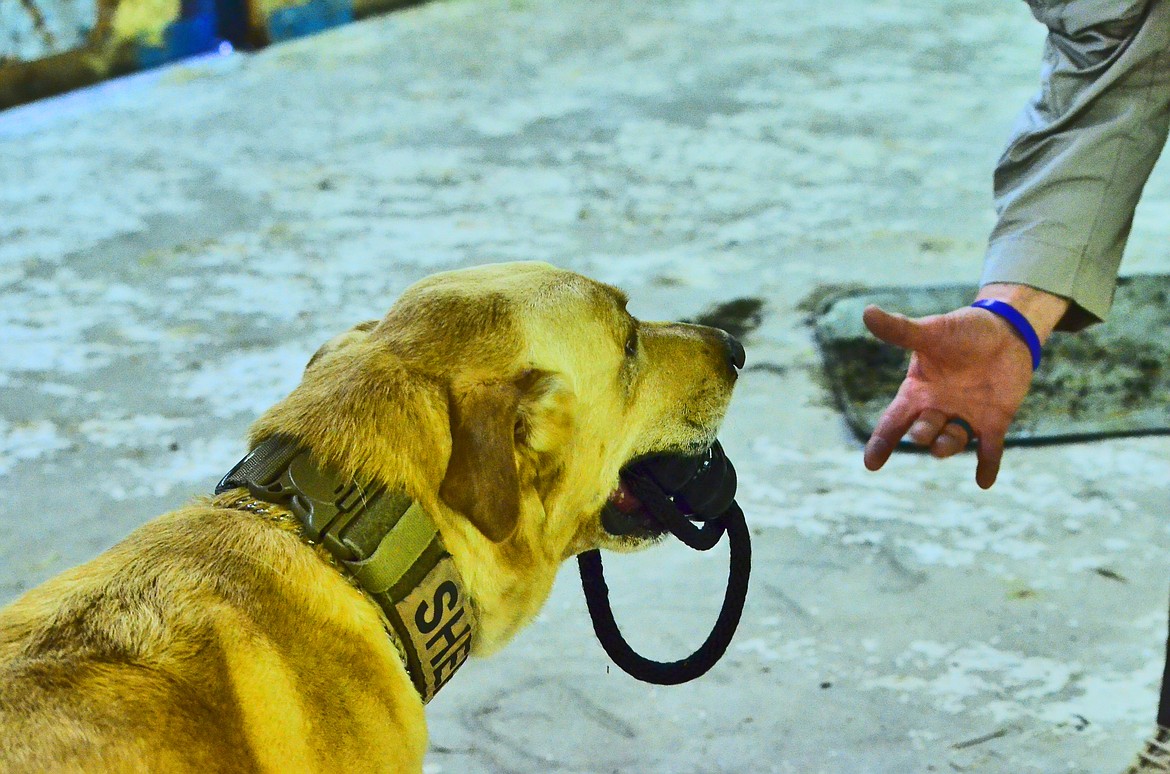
(180, 648)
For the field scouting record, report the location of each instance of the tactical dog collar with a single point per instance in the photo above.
(384, 540)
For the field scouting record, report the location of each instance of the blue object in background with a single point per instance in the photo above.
(205, 25)
(194, 32)
(314, 16)
(233, 21)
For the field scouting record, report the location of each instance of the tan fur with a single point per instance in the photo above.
(212, 639)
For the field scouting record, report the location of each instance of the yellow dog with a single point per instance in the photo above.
(473, 436)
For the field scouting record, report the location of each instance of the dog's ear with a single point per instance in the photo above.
(357, 333)
(545, 416)
(481, 481)
(488, 422)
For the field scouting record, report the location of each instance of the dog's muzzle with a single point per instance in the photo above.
(692, 498)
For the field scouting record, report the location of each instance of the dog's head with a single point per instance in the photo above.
(507, 399)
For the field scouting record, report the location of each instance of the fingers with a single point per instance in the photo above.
(927, 427)
(944, 435)
(944, 438)
(889, 430)
(895, 329)
(877, 451)
(952, 440)
(990, 454)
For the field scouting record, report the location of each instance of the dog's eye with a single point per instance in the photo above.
(632, 344)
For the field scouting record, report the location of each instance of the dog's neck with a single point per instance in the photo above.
(384, 540)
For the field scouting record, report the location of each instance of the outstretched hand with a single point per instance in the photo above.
(966, 364)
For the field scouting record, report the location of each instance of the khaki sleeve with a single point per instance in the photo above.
(1080, 153)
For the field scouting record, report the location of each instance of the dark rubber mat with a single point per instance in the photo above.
(1110, 379)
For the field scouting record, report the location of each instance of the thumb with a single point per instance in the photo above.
(896, 329)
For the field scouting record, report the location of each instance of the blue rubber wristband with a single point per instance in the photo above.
(1017, 321)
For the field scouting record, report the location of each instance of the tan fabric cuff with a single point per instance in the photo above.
(1089, 285)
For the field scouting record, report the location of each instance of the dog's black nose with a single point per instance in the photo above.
(735, 353)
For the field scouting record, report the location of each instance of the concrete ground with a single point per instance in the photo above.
(175, 245)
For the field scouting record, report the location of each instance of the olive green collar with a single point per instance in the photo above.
(386, 541)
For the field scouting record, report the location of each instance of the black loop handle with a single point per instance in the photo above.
(713, 648)
(666, 512)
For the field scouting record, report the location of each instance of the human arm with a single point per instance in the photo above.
(1068, 182)
(1065, 193)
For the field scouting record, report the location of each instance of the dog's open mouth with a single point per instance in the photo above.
(624, 514)
(699, 487)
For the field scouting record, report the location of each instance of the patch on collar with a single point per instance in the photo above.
(435, 623)
(387, 542)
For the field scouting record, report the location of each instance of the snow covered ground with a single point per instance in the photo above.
(175, 245)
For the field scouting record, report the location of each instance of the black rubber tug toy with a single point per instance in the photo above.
(692, 498)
